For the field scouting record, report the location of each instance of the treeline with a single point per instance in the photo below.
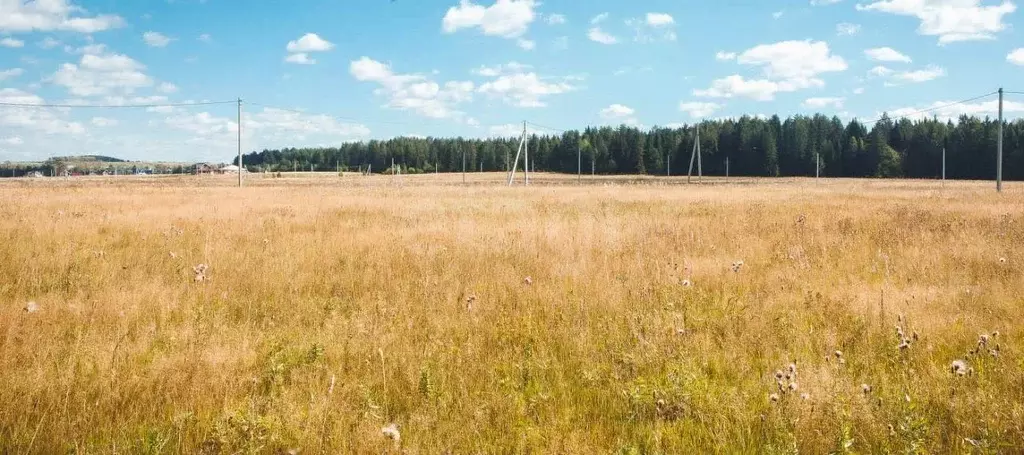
(752, 146)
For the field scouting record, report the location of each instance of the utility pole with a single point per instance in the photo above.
(693, 155)
(526, 154)
(463, 147)
(999, 146)
(579, 162)
(817, 166)
(943, 165)
(668, 164)
(726, 169)
(239, 142)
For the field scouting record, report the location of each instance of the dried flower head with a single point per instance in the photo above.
(805, 396)
(173, 255)
(801, 219)
(792, 369)
(527, 281)
(391, 432)
(958, 367)
(904, 344)
(31, 307)
(995, 334)
(687, 283)
(983, 340)
(1002, 260)
(774, 397)
(778, 374)
(838, 354)
(793, 386)
(865, 389)
(736, 266)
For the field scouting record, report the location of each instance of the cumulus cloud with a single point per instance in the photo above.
(48, 121)
(950, 20)
(886, 54)
(1016, 57)
(618, 113)
(50, 15)
(847, 29)
(300, 49)
(653, 27)
(413, 92)
(10, 73)
(597, 35)
(505, 18)
(823, 102)
(698, 109)
(787, 66)
(951, 110)
(102, 74)
(521, 88)
(156, 39)
(11, 42)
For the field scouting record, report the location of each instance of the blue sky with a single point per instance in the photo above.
(326, 71)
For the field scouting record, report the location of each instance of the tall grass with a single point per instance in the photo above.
(328, 313)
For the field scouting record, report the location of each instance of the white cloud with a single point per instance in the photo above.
(49, 15)
(824, 2)
(49, 43)
(13, 140)
(310, 42)
(725, 56)
(653, 27)
(102, 75)
(498, 70)
(886, 54)
(156, 39)
(104, 122)
(525, 89)
(167, 87)
(847, 29)
(526, 44)
(823, 102)
(950, 20)
(618, 113)
(555, 19)
(599, 18)
(697, 109)
(10, 73)
(505, 18)
(413, 92)
(301, 58)
(787, 66)
(778, 14)
(33, 118)
(1016, 57)
(929, 73)
(597, 35)
(660, 20)
(205, 37)
(11, 42)
(506, 130)
(880, 71)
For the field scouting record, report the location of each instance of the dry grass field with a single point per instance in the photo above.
(421, 316)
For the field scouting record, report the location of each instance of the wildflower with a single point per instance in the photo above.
(736, 266)
(994, 353)
(200, 272)
(793, 387)
(774, 397)
(805, 396)
(778, 374)
(31, 307)
(391, 432)
(982, 340)
(687, 283)
(995, 334)
(865, 388)
(958, 367)
(469, 302)
(904, 344)
(680, 332)
(838, 354)
(792, 369)
(1002, 260)
(801, 219)
(527, 281)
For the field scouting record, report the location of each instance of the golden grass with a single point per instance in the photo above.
(333, 308)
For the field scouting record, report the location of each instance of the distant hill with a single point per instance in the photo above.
(88, 158)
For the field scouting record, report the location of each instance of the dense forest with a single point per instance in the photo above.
(754, 146)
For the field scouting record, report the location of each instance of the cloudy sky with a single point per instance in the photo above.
(319, 72)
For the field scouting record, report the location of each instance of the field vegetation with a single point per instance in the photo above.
(419, 315)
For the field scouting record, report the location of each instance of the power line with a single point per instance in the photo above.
(114, 106)
(923, 111)
(546, 127)
(1015, 93)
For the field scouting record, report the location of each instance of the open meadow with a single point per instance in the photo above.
(323, 314)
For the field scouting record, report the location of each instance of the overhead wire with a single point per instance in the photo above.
(115, 106)
(933, 108)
